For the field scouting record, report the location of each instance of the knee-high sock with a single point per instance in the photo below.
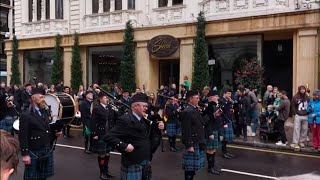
(224, 147)
(209, 159)
(174, 141)
(106, 164)
(101, 163)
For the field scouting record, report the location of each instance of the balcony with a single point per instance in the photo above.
(109, 20)
(44, 28)
(169, 15)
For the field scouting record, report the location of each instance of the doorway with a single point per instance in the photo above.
(169, 71)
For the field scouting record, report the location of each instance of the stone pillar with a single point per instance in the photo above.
(84, 56)
(10, 18)
(9, 60)
(21, 66)
(67, 55)
(43, 10)
(100, 6)
(186, 59)
(306, 59)
(34, 10)
(52, 9)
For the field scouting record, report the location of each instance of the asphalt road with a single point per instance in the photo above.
(72, 163)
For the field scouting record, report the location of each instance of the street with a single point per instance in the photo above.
(72, 163)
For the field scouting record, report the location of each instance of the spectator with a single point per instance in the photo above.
(284, 110)
(299, 110)
(272, 96)
(9, 154)
(186, 82)
(52, 89)
(314, 119)
(253, 111)
(266, 94)
(26, 97)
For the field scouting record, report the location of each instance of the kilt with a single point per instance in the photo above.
(215, 143)
(193, 161)
(100, 147)
(172, 129)
(134, 172)
(7, 124)
(228, 133)
(33, 171)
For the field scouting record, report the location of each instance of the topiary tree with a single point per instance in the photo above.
(57, 69)
(15, 73)
(76, 65)
(127, 67)
(200, 77)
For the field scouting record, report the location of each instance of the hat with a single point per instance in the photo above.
(139, 97)
(316, 92)
(101, 94)
(38, 90)
(125, 91)
(213, 93)
(191, 93)
(88, 92)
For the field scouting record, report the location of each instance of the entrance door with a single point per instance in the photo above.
(169, 72)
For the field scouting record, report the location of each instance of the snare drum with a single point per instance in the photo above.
(62, 107)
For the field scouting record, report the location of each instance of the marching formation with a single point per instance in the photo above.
(134, 125)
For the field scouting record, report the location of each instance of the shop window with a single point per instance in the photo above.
(47, 9)
(163, 3)
(106, 5)
(177, 2)
(38, 64)
(59, 9)
(118, 4)
(131, 4)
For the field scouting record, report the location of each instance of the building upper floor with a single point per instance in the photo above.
(36, 18)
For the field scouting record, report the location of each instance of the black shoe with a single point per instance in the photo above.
(226, 156)
(177, 149)
(173, 149)
(230, 155)
(87, 151)
(109, 175)
(213, 171)
(219, 170)
(103, 176)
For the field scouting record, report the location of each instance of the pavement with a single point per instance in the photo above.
(249, 163)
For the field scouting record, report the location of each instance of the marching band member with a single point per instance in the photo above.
(212, 127)
(35, 138)
(100, 119)
(131, 136)
(66, 127)
(85, 106)
(192, 136)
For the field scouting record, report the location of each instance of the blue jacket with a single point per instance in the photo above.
(316, 110)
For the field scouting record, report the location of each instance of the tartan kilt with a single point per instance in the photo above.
(32, 171)
(193, 161)
(215, 143)
(228, 133)
(133, 172)
(7, 124)
(100, 147)
(171, 129)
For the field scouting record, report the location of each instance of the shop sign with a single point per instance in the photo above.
(163, 45)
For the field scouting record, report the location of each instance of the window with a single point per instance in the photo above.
(177, 2)
(30, 10)
(38, 10)
(106, 5)
(7, 2)
(163, 3)
(59, 9)
(131, 4)
(118, 4)
(95, 6)
(4, 19)
(47, 9)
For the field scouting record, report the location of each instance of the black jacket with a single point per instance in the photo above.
(34, 131)
(25, 100)
(85, 106)
(129, 130)
(243, 109)
(172, 113)
(100, 119)
(192, 127)
(213, 123)
(227, 107)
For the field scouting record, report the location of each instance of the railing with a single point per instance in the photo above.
(46, 27)
(169, 15)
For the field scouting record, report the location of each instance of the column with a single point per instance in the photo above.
(34, 10)
(124, 4)
(84, 56)
(9, 60)
(186, 59)
(52, 9)
(43, 10)
(100, 6)
(112, 5)
(306, 60)
(67, 55)
(21, 65)
(10, 18)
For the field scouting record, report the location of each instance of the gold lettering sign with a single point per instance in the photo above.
(163, 45)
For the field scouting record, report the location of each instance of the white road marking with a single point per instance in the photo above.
(248, 174)
(225, 170)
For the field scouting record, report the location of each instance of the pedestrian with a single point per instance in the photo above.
(131, 137)
(299, 106)
(192, 136)
(314, 118)
(35, 137)
(283, 110)
(253, 111)
(9, 149)
(243, 107)
(212, 127)
(101, 117)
